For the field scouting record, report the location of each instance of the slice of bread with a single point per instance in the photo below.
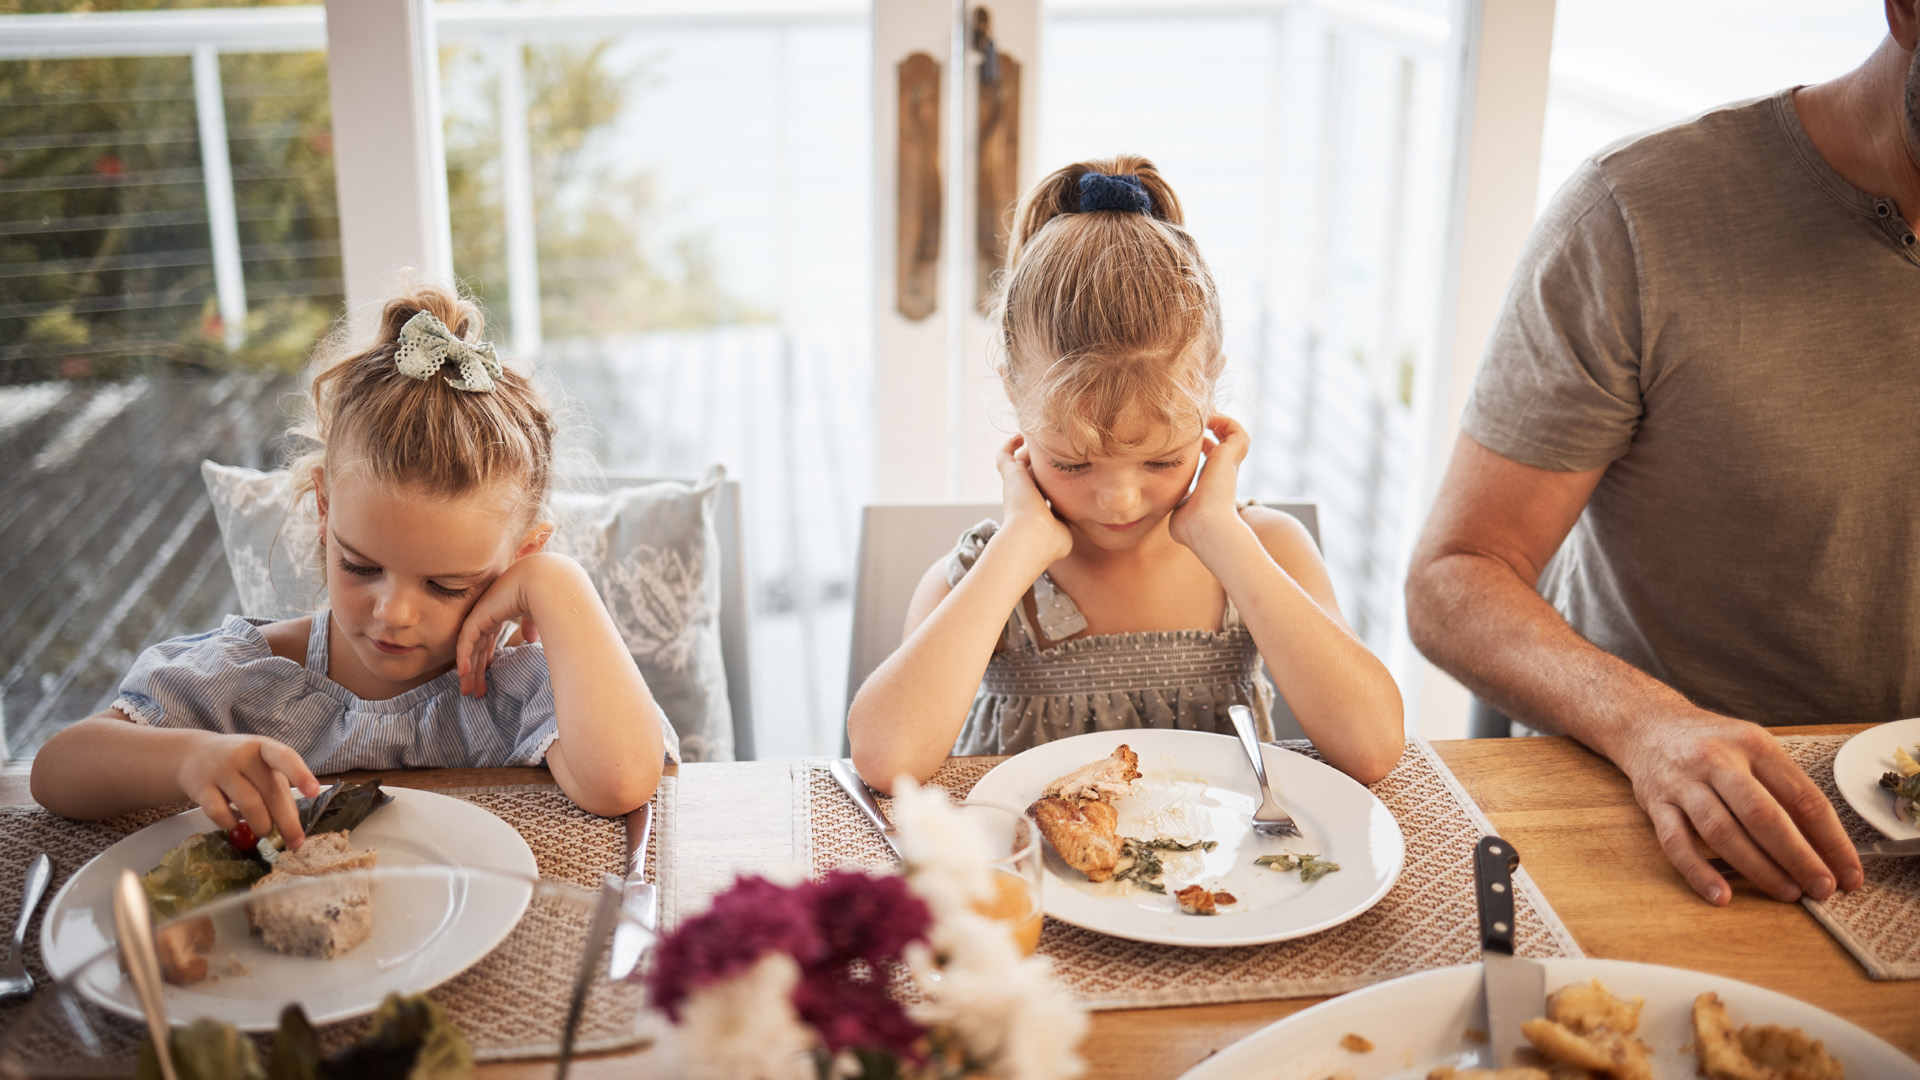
(327, 853)
(320, 921)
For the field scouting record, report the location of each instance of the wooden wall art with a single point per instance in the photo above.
(997, 183)
(917, 223)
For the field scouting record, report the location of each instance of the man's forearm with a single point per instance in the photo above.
(1475, 618)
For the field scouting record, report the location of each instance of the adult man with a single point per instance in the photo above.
(1705, 383)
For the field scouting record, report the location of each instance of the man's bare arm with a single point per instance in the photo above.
(1473, 608)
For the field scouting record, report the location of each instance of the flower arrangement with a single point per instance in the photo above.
(868, 977)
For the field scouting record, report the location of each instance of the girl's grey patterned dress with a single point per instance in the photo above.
(1173, 679)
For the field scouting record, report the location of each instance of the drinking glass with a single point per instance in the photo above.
(1016, 873)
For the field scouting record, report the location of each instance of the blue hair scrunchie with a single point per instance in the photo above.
(1100, 191)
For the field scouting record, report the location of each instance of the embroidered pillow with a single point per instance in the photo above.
(652, 552)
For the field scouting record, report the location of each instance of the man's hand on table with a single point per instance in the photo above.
(1732, 783)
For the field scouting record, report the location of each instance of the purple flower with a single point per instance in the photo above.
(863, 918)
(746, 922)
(862, 1015)
(846, 932)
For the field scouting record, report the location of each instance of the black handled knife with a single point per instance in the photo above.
(1516, 988)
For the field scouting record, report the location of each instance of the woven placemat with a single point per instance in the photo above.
(1877, 921)
(1428, 920)
(512, 1004)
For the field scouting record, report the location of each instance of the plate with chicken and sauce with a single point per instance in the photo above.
(1149, 837)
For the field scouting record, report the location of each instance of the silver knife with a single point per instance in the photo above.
(1516, 988)
(862, 796)
(641, 902)
(1888, 849)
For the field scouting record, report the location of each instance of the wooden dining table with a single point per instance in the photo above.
(1569, 813)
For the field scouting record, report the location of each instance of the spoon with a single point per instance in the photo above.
(134, 923)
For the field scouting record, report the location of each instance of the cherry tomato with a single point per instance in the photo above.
(241, 837)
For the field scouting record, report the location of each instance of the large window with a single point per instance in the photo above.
(1624, 66)
(698, 197)
(164, 210)
(1310, 150)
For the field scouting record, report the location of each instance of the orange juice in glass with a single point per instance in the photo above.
(1016, 875)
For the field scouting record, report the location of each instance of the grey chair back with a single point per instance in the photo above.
(734, 628)
(1486, 722)
(897, 544)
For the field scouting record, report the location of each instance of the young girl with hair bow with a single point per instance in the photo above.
(430, 463)
(1115, 591)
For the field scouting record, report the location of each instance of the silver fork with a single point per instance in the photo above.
(1272, 818)
(14, 980)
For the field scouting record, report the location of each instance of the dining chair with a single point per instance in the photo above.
(734, 631)
(1486, 722)
(898, 541)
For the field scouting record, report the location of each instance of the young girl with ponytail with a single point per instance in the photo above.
(1116, 590)
(431, 463)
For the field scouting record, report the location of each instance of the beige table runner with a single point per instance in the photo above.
(512, 1004)
(1879, 922)
(1427, 920)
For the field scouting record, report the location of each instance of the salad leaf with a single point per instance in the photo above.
(203, 1050)
(1905, 787)
(199, 869)
(342, 807)
(411, 1040)
(296, 1048)
(1311, 867)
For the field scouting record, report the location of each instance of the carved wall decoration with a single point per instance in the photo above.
(917, 224)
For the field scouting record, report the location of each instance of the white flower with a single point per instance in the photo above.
(744, 1028)
(949, 857)
(1013, 1020)
(1004, 1009)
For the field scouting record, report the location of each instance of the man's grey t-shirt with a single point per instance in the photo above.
(1711, 312)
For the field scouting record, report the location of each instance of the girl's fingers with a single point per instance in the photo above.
(246, 798)
(281, 811)
(291, 767)
(482, 657)
(213, 802)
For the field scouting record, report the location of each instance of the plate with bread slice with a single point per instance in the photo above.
(1149, 837)
(391, 891)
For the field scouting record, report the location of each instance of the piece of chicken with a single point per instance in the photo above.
(1767, 1052)
(1195, 900)
(1109, 778)
(1587, 1027)
(1084, 832)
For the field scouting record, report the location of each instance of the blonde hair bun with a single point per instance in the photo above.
(364, 412)
(1104, 317)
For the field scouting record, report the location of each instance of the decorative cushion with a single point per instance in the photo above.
(652, 552)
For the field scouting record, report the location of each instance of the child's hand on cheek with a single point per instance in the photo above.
(252, 773)
(1026, 512)
(1211, 503)
(505, 601)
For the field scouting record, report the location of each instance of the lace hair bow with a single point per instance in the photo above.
(426, 344)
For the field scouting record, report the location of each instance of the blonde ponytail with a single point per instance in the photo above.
(1105, 314)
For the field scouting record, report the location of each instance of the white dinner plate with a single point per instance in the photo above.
(1861, 762)
(1420, 1022)
(426, 931)
(1198, 785)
